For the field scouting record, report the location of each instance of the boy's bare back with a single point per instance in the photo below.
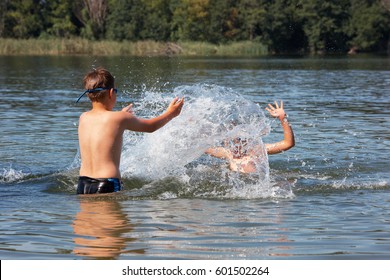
(101, 129)
(101, 136)
(100, 139)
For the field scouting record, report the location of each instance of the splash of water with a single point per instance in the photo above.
(211, 115)
(12, 175)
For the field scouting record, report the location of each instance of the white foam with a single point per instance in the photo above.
(12, 175)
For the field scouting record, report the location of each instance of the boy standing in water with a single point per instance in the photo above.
(101, 133)
(245, 159)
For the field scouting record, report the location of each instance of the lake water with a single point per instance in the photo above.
(327, 198)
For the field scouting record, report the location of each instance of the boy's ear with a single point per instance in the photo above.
(111, 93)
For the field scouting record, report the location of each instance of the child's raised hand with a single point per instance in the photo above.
(276, 111)
(128, 109)
(175, 107)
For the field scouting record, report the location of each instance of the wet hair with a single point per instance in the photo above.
(98, 78)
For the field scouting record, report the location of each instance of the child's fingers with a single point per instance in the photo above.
(128, 108)
(180, 102)
(273, 111)
(271, 107)
(175, 101)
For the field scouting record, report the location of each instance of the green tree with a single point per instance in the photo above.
(3, 13)
(224, 21)
(369, 26)
(92, 17)
(286, 26)
(282, 27)
(251, 15)
(156, 22)
(190, 19)
(60, 19)
(23, 18)
(122, 22)
(324, 24)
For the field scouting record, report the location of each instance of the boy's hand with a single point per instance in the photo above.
(277, 111)
(175, 107)
(128, 109)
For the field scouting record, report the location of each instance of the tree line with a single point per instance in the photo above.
(284, 26)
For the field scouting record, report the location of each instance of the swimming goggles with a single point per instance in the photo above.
(95, 90)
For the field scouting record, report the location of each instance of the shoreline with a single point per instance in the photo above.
(147, 48)
(58, 47)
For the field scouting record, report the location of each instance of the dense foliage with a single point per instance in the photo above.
(285, 26)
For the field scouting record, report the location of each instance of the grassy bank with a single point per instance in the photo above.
(141, 48)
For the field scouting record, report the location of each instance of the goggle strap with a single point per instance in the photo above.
(92, 90)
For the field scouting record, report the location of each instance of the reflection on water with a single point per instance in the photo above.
(100, 226)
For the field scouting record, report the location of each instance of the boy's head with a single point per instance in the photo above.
(98, 78)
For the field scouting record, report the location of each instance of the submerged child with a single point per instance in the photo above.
(101, 133)
(244, 158)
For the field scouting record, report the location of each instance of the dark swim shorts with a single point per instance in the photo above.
(89, 185)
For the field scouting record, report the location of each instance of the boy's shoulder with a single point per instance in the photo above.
(119, 116)
(106, 114)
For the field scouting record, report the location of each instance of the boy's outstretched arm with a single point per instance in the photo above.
(218, 152)
(153, 124)
(289, 140)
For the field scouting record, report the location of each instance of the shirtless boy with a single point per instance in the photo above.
(101, 133)
(243, 158)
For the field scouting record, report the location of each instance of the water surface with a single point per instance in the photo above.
(327, 198)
